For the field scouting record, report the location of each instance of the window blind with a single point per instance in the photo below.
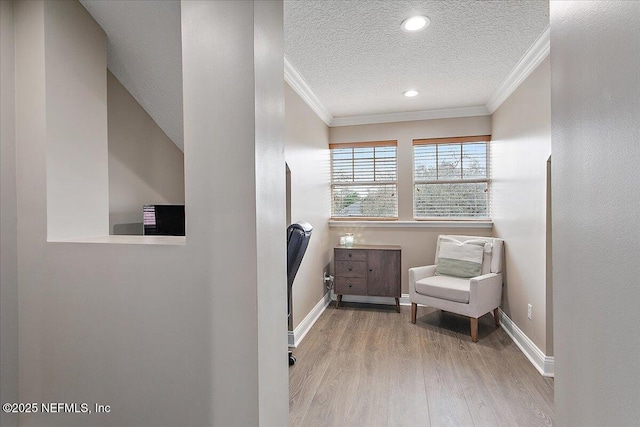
(451, 178)
(364, 180)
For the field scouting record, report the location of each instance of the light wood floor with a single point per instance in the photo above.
(366, 365)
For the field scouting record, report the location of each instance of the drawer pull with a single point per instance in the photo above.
(371, 269)
(350, 268)
(349, 254)
(350, 285)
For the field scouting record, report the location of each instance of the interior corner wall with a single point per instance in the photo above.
(76, 115)
(270, 202)
(307, 154)
(520, 148)
(418, 244)
(235, 176)
(8, 219)
(145, 166)
(595, 89)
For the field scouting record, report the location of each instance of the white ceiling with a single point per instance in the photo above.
(144, 52)
(351, 57)
(357, 61)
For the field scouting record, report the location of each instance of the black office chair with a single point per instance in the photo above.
(298, 236)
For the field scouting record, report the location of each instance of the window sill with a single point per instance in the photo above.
(129, 240)
(488, 224)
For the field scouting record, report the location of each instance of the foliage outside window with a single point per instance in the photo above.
(451, 178)
(364, 180)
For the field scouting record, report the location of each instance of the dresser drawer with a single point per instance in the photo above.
(350, 286)
(350, 254)
(351, 269)
(367, 270)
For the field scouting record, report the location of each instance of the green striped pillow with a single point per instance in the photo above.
(462, 260)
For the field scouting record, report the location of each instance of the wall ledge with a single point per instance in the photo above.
(127, 240)
(411, 224)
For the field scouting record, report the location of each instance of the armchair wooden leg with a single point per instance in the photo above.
(414, 309)
(496, 316)
(474, 329)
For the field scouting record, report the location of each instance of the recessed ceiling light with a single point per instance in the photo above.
(411, 93)
(415, 23)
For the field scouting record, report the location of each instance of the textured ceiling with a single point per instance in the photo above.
(145, 53)
(352, 54)
(357, 60)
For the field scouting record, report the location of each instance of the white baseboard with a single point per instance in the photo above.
(301, 330)
(543, 363)
(404, 299)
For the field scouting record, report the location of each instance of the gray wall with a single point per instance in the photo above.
(76, 123)
(595, 89)
(168, 335)
(145, 166)
(268, 68)
(8, 219)
(234, 152)
(520, 149)
(307, 154)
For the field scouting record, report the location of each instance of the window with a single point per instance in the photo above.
(451, 178)
(364, 180)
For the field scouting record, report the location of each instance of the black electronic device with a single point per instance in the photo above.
(163, 220)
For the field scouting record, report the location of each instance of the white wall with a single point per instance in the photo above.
(145, 166)
(166, 335)
(8, 219)
(307, 154)
(234, 152)
(520, 149)
(595, 89)
(270, 194)
(418, 244)
(76, 92)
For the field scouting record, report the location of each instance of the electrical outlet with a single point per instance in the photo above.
(529, 311)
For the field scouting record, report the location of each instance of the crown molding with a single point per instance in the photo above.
(297, 83)
(538, 51)
(300, 86)
(446, 113)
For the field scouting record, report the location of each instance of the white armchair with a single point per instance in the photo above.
(472, 297)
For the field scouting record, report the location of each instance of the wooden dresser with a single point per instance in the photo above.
(371, 270)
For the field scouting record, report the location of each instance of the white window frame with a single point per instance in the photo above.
(486, 180)
(374, 183)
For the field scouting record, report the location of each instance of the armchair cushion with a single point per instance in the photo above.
(445, 287)
(460, 259)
